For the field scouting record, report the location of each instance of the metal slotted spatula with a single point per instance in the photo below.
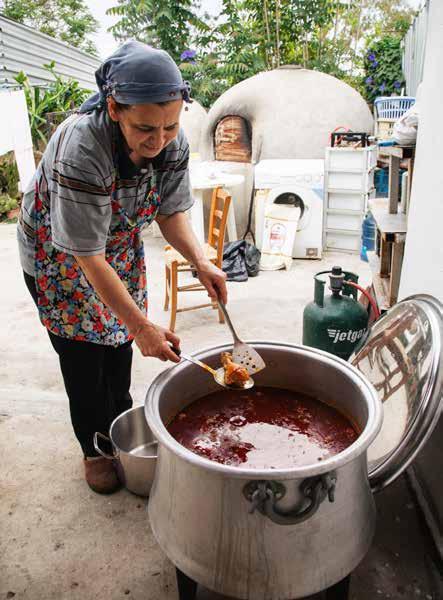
(217, 374)
(243, 354)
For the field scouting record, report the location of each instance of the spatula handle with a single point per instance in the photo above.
(228, 321)
(199, 363)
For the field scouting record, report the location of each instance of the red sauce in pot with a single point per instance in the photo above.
(262, 428)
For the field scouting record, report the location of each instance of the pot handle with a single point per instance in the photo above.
(97, 434)
(264, 495)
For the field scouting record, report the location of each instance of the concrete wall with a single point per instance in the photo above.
(423, 263)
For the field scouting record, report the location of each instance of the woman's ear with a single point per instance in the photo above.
(113, 109)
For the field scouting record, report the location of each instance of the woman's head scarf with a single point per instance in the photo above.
(138, 74)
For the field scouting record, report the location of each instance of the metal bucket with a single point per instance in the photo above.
(134, 450)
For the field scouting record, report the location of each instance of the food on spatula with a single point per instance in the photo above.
(234, 374)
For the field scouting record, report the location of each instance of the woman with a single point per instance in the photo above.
(106, 173)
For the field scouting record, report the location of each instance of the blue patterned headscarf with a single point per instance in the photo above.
(137, 74)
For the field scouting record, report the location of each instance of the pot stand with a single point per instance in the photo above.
(187, 588)
(339, 591)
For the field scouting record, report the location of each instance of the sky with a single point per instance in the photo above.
(105, 42)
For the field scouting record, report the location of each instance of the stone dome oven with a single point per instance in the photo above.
(285, 113)
(193, 118)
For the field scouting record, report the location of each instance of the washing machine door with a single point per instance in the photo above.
(296, 196)
(308, 240)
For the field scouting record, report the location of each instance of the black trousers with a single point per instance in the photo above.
(97, 380)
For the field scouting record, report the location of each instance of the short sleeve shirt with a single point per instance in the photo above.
(75, 177)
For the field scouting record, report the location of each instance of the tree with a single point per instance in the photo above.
(228, 50)
(249, 36)
(165, 24)
(67, 20)
(358, 24)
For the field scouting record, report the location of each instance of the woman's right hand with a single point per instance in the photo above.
(156, 341)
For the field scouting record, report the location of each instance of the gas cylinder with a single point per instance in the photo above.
(335, 323)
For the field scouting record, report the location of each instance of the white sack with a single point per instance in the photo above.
(405, 129)
(280, 228)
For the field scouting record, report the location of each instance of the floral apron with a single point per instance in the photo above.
(68, 305)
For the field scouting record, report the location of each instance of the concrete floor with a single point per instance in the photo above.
(59, 540)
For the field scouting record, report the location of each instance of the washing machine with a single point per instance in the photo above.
(296, 182)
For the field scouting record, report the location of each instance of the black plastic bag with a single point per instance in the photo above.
(241, 260)
(252, 257)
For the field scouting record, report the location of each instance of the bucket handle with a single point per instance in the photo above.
(97, 434)
(264, 495)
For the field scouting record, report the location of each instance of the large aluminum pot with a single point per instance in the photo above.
(134, 450)
(265, 534)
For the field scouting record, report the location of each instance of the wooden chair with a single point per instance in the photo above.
(213, 249)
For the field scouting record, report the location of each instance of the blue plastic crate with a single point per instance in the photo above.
(381, 182)
(392, 107)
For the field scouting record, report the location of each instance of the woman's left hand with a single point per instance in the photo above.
(213, 279)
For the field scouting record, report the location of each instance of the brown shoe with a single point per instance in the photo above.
(100, 475)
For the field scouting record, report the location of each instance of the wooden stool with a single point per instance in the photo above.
(175, 263)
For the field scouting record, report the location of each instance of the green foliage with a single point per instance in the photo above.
(9, 177)
(68, 20)
(59, 97)
(391, 18)
(206, 77)
(250, 36)
(256, 35)
(324, 35)
(228, 52)
(294, 29)
(6, 204)
(383, 68)
(162, 23)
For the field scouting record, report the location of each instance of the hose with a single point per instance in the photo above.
(371, 300)
(251, 201)
(346, 130)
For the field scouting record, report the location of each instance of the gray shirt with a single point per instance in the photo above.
(75, 177)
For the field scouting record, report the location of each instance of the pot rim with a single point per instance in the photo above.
(367, 436)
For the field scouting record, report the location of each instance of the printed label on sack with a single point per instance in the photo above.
(337, 335)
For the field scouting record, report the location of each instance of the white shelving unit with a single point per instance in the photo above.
(349, 185)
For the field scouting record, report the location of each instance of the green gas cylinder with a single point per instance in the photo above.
(335, 323)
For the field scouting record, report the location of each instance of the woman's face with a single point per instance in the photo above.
(147, 128)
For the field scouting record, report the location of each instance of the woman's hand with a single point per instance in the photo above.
(156, 341)
(213, 279)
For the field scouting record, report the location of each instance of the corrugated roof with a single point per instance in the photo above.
(23, 49)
